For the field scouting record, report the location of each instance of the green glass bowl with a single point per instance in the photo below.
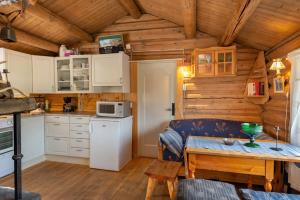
(252, 128)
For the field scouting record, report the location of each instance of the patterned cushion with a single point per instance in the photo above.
(198, 189)
(208, 127)
(257, 195)
(173, 142)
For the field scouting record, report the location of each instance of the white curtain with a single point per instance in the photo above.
(294, 58)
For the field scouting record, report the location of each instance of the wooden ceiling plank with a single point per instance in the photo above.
(190, 18)
(35, 41)
(238, 21)
(131, 7)
(54, 19)
(284, 47)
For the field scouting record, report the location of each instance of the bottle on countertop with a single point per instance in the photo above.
(46, 105)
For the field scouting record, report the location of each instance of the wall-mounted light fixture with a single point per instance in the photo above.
(186, 67)
(277, 65)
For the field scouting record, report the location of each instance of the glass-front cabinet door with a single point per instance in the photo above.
(81, 73)
(204, 63)
(73, 74)
(225, 63)
(63, 75)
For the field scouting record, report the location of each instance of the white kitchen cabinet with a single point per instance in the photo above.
(79, 152)
(57, 130)
(73, 74)
(43, 74)
(57, 146)
(19, 66)
(67, 135)
(111, 70)
(33, 147)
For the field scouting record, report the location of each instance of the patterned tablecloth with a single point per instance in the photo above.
(264, 148)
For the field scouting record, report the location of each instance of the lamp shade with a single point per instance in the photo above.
(277, 65)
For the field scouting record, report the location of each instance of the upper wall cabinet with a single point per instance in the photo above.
(43, 74)
(218, 61)
(19, 66)
(111, 70)
(72, 74)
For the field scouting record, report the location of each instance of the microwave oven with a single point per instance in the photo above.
(117, 109)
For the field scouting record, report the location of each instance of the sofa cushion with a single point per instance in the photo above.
(208, 127)
(199, 189)
(173, 142)
(258, 195)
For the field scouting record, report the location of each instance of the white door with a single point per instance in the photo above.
(20, 71)
(156, 93)
(43, 74)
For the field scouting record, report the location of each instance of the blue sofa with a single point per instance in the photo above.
(203, 127)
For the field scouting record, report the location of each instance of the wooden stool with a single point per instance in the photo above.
(162, 171)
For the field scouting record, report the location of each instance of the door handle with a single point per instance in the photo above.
(173, 109)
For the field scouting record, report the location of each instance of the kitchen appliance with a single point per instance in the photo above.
(69, 105)
(6, 146)
(117, 109)
(110, 142)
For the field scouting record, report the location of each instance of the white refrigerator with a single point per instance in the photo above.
(110, 142)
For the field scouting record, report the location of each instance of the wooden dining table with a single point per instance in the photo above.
(209, 153)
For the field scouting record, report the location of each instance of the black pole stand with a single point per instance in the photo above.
(17, 157)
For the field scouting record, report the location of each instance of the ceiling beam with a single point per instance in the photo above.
(57, 21)
(238, 21)
(131, 7)
(284, 47)
(189, 18)
(35, 41)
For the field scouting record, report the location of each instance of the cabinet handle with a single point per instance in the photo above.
(79, 133)
(57, 139)
(103, 125)
(79, 118)
(56, 117)
(79, 126)
(121, 80)
(79, 150)
(56, 124)
(78, 140)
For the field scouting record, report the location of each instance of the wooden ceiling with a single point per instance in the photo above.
(261, 24)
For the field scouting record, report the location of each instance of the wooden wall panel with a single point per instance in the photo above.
(277, 110)
(88, 100)
(222, 97)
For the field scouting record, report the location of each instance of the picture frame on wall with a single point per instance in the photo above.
(111, 43)
(278, 84)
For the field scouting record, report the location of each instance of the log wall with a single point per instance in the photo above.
(154, 38)
(277, 109)
(223, 97)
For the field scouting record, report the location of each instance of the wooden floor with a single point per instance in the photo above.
(59, 181)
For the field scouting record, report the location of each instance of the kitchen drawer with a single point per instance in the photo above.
(80, 134)
(57, 130)
(79, 127)
(81, 143)
(57, 146)
(79, 152)
(79, 120)
(57, 119)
